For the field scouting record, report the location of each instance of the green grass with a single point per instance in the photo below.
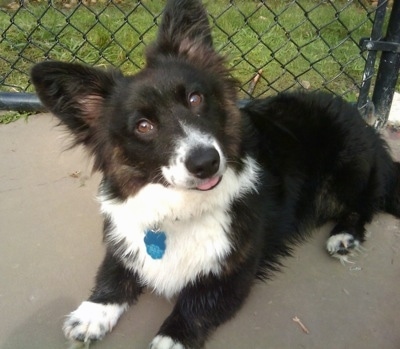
(11, 116)
(295, 50)
(291, 52)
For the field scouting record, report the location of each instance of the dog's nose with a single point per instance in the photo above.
(203, 162)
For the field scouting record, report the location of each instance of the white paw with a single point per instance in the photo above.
(91, 321)
(342, 245)
(161, 342)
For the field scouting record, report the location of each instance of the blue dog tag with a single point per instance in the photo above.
(155, 243)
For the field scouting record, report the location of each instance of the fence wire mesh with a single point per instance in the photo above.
(273, 45)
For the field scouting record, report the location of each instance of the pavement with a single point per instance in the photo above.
(51, 246)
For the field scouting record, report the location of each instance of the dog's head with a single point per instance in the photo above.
(174, 123)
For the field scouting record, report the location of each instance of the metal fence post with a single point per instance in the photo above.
(388, 69)
(23, 102)
(363, 102)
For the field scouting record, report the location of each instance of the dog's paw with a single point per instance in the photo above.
(342, 246)
(163, 342)
(91, 321)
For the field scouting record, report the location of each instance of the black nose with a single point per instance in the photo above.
(203, 162)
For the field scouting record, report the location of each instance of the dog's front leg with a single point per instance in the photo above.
(200, 309)
(115, 289)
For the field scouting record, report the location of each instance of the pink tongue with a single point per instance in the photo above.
(209, 183)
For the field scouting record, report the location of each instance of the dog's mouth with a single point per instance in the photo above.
(209, 183)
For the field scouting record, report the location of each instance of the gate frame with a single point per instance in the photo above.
(389, 65)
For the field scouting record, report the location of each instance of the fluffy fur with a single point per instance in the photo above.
(232, 189)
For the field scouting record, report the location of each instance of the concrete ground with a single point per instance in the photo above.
(51, 246)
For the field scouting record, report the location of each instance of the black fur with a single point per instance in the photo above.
(320, 161)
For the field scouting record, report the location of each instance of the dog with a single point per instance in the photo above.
(200, 198)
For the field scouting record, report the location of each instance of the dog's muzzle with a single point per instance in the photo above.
(197, 163)
(204, 163)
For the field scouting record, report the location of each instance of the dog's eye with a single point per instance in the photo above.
(144, 126)
(195, 99)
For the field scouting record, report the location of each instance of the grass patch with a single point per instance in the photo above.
(11, 116)
(296, 43)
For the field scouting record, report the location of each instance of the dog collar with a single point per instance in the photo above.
(154, 240)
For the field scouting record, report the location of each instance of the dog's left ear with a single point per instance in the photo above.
(184, 31)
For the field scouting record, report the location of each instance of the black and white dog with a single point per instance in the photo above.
(199, 197)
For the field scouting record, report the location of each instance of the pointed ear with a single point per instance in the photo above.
(74, 93)
(184, 30)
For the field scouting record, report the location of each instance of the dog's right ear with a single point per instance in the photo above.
(74, 93)
(184, 31)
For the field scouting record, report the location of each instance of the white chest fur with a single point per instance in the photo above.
(196, 223)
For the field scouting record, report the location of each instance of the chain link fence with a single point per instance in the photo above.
(273, 45)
